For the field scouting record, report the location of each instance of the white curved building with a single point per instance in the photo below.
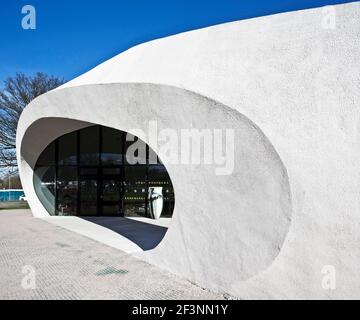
(281, 221)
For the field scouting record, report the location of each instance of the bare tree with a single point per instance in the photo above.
(10, 180)
(16, 94)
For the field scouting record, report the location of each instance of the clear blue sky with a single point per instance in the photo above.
(74, 36)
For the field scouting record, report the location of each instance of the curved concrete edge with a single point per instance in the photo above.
(95, 232)
(246, 232)
(298, 82)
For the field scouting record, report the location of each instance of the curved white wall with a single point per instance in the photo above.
(284, 74)
(238, 220)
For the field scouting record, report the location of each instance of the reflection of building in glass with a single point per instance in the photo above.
(87, 172)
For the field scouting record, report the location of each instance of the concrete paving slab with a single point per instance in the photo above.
(95, 231)
(68, 265)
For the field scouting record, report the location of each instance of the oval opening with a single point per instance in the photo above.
(109, 177)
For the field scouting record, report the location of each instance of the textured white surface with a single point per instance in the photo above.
(239, 220)
(71, 267)
(299, 84)
(95, 232)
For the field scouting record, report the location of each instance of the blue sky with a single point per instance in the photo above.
(74, 36)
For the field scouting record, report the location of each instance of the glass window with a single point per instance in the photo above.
(88, 171)
(111, 196)
(44, 184)
(88, 205)
(135, 176)
(159, 178)
(135, 191)
(67, 185)
(111, 147)
(111, 171)
(89, 146)
(47, 157)
(68, 149)
(129, 187)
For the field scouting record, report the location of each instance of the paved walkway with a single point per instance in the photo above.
(127, 234)
(70, 266)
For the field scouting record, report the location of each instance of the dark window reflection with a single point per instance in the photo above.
(47, 157)
(44, 183)
(88, 197)
(88, 171)
(135, 191)
(67, 149)
(111, 171)
(89, 146)
(67, 191)
(102, 181)
(111, 147)
(111, 196)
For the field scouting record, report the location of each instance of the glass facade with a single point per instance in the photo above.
(100, 171)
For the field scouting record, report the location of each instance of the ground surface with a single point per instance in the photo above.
(70, 266)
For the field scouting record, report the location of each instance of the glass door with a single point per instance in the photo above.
(111, 192)
(100, 192)
(88, 197)
(110, 198)
(88, 192)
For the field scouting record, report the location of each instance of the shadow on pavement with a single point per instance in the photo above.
(147, 236)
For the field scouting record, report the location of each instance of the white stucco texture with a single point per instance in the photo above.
(289, 88)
